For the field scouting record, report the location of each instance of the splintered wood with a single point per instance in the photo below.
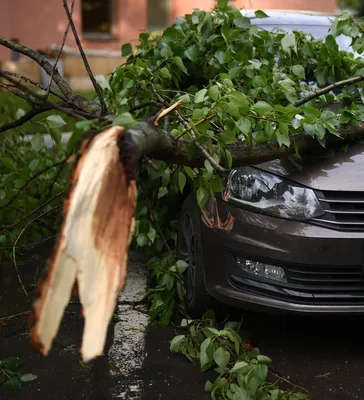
(92, 246)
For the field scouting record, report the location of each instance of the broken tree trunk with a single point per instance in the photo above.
(93, 243)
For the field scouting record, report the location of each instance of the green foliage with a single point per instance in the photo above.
(243, 371)
(237, 83)
(30, 175)
(167, 295)
(10, 375)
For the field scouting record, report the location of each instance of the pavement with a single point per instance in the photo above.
(324, 355)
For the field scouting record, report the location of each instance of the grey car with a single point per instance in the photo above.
(282, 237)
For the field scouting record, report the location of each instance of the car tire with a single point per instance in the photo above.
(189, 249)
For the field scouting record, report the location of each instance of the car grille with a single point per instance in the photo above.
(344, 211)
(311, 284)
(315, 284)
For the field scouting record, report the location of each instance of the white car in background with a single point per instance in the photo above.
(316, 24)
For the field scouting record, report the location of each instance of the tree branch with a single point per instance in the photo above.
(43, 62)
(328, 89)
(41, 101)
(60, 51)
(22, 120)
(73, 99)
(85, 61)
(160, 145)
(26, 79)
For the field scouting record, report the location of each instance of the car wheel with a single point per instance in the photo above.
(197, 299)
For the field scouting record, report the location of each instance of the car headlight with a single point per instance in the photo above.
(271, 194)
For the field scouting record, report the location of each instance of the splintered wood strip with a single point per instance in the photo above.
(93, 244)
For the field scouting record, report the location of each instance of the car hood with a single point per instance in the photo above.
(343, 171)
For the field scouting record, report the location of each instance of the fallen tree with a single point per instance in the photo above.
(212, 93)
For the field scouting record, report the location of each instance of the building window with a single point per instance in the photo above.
(158, 15)
(97, 19)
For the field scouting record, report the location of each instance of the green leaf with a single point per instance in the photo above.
(165, 73)
(19, 183)
(34, 164)
(56, 135)
(144, 36)
(242, 22)
(229, 158)
(185, 98)
(208, 386)
(233, 109)
(37, 141)
(12, 380)
(261, 14)
(213, 92)
(206, 355)
(19, 113)
(8, 162)
(210, 332)
(12, 363)
(262, 108)
(73, 140)
(288, 42)
(264, 360)
(142, 240)
(282, 139)
(28, 377)
(176, 343)
(244, 125)
(178, 61)
(181, 266)
(239, 99)
(259, 82)
(227, 137)
(125, 120)
(126, 50)
(261, 372)
(56, 121)
(200, 96)
(192, 53)
(221, 357)
(103, 82)
(181, 181)
(331, 45)
(315, 130)
(299, 71)
(202, 196)
(238, 367)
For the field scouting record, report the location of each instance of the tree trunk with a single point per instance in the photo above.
(93, 243)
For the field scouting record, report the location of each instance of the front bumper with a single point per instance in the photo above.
(324, 267)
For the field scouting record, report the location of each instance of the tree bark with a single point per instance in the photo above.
(162, 146)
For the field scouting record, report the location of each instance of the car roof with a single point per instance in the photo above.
(288, 17)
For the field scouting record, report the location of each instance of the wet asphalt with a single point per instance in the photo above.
(325, 355)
